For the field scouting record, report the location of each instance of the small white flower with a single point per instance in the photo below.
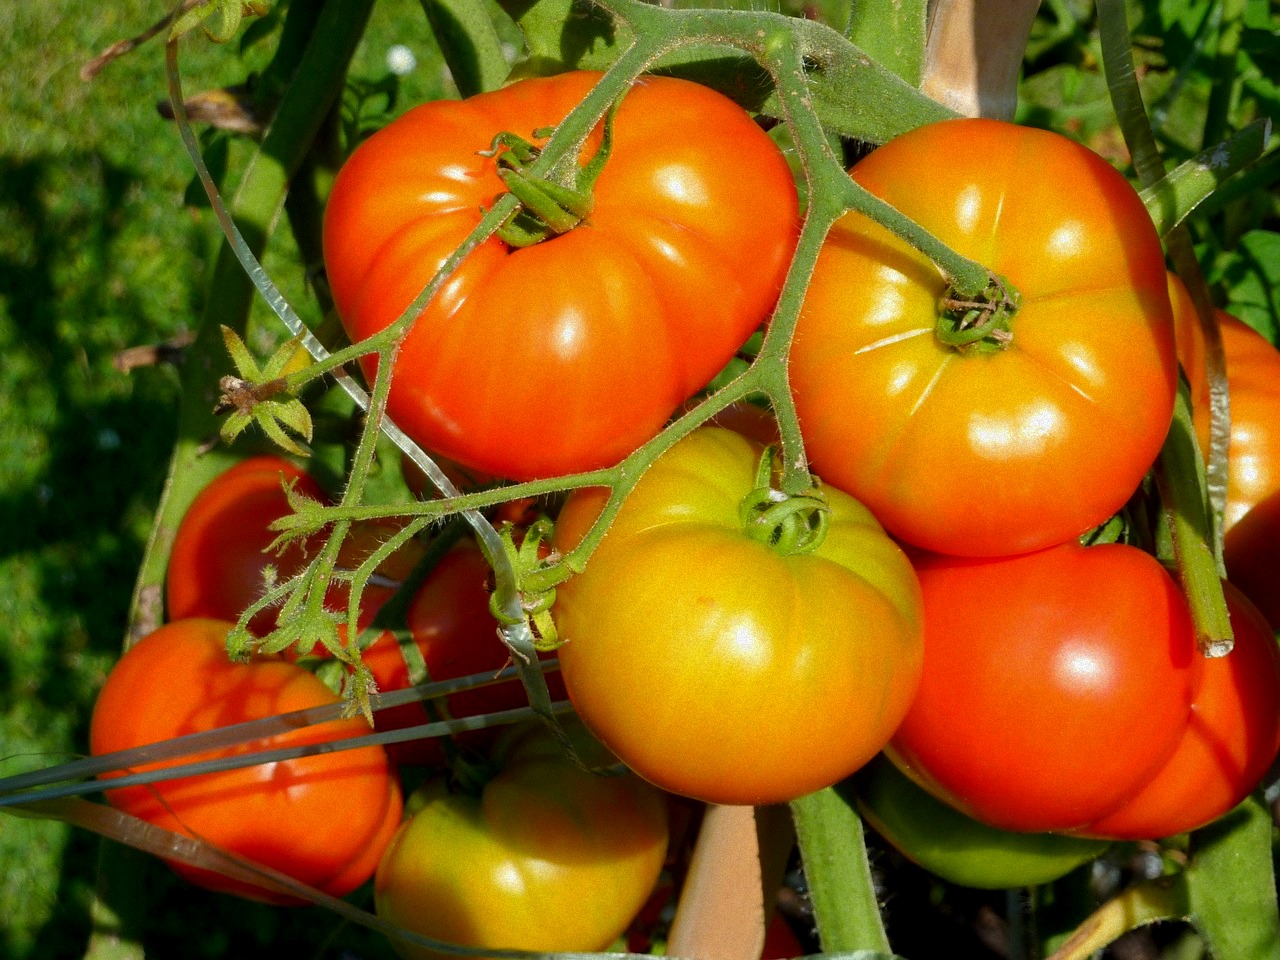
(400, 60)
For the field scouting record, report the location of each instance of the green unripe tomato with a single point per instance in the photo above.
(956, 847)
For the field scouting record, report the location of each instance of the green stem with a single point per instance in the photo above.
(892, 33)
(835, 867)
(1181, 470)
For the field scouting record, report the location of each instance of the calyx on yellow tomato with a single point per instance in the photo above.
(568, 354)
(989, 452)
(717, 667)
(547, 857)
(955, 847)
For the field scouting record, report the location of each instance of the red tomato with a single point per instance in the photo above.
(489, 870)
(989, 450)
(599, 333)
(1055, 684)
(717, 666)
(1233, 737)
(1252, 555)
(323, 819)
(220, 551)
(1253, 378)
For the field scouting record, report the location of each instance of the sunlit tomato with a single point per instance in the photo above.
(1232, 739)
(546, 857)
(717, 666)
(994, 449)
(1252, 555)
(1055, 683)
(220, 552)
(449, 621)
(603, 330)
(1253, 378)
(958, 848)
(322, 819)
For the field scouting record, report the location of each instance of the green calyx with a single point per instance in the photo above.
(548, 207)
(535, 605)
(789, 524)
(982, 323)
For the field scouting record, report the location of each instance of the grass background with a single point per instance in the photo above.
(98, 252)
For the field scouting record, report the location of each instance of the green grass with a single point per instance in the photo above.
(98, 253)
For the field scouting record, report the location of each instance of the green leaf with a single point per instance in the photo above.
(1170, 199)
(235, 424)
(1251, 276)
(244, 362)
(469, 42)
(294, 415)
(1232, 885)
(562, 35)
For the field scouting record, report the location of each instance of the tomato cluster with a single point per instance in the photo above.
(927, 609)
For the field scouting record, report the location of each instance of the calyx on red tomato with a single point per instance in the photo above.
(719, 666)
(1056, 684)
(568, 354)
(322, 819)
(957, 848)
(1030, 436)
(1228, 745)
(220, 552)
(546, 856)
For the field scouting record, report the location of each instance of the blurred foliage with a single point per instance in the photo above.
(103, 246)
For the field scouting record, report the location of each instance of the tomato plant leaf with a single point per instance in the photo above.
(893, 34)
(562, 35)
(1172, 198)
(1232, 887)
(469, 42)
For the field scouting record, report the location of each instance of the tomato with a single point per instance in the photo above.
(718, 667)
(450, 622)
(568, 354)
(1253, 378)
(989, 451)
(1252, 555)
(322, 819)
(547, 857)
(220, 551)
(1055, 683)
(1233, 737)
(958, 848)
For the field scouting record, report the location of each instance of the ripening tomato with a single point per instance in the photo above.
(1024, 439)
(957, 848)
(1055, 685)
(1230, 742)
(603, 330)
(220, 552)
(719, 666)
(546, 857)
(322, 819)
(1253, 378)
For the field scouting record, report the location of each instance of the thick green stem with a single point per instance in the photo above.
(836, 870)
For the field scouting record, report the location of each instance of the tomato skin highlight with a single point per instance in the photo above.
(1033, 667)
(220, 550)
(604, 330)
(322, 819)
(989, 453)
(957, 848)
(1230, 742)
(489, 870)
(697, 654)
